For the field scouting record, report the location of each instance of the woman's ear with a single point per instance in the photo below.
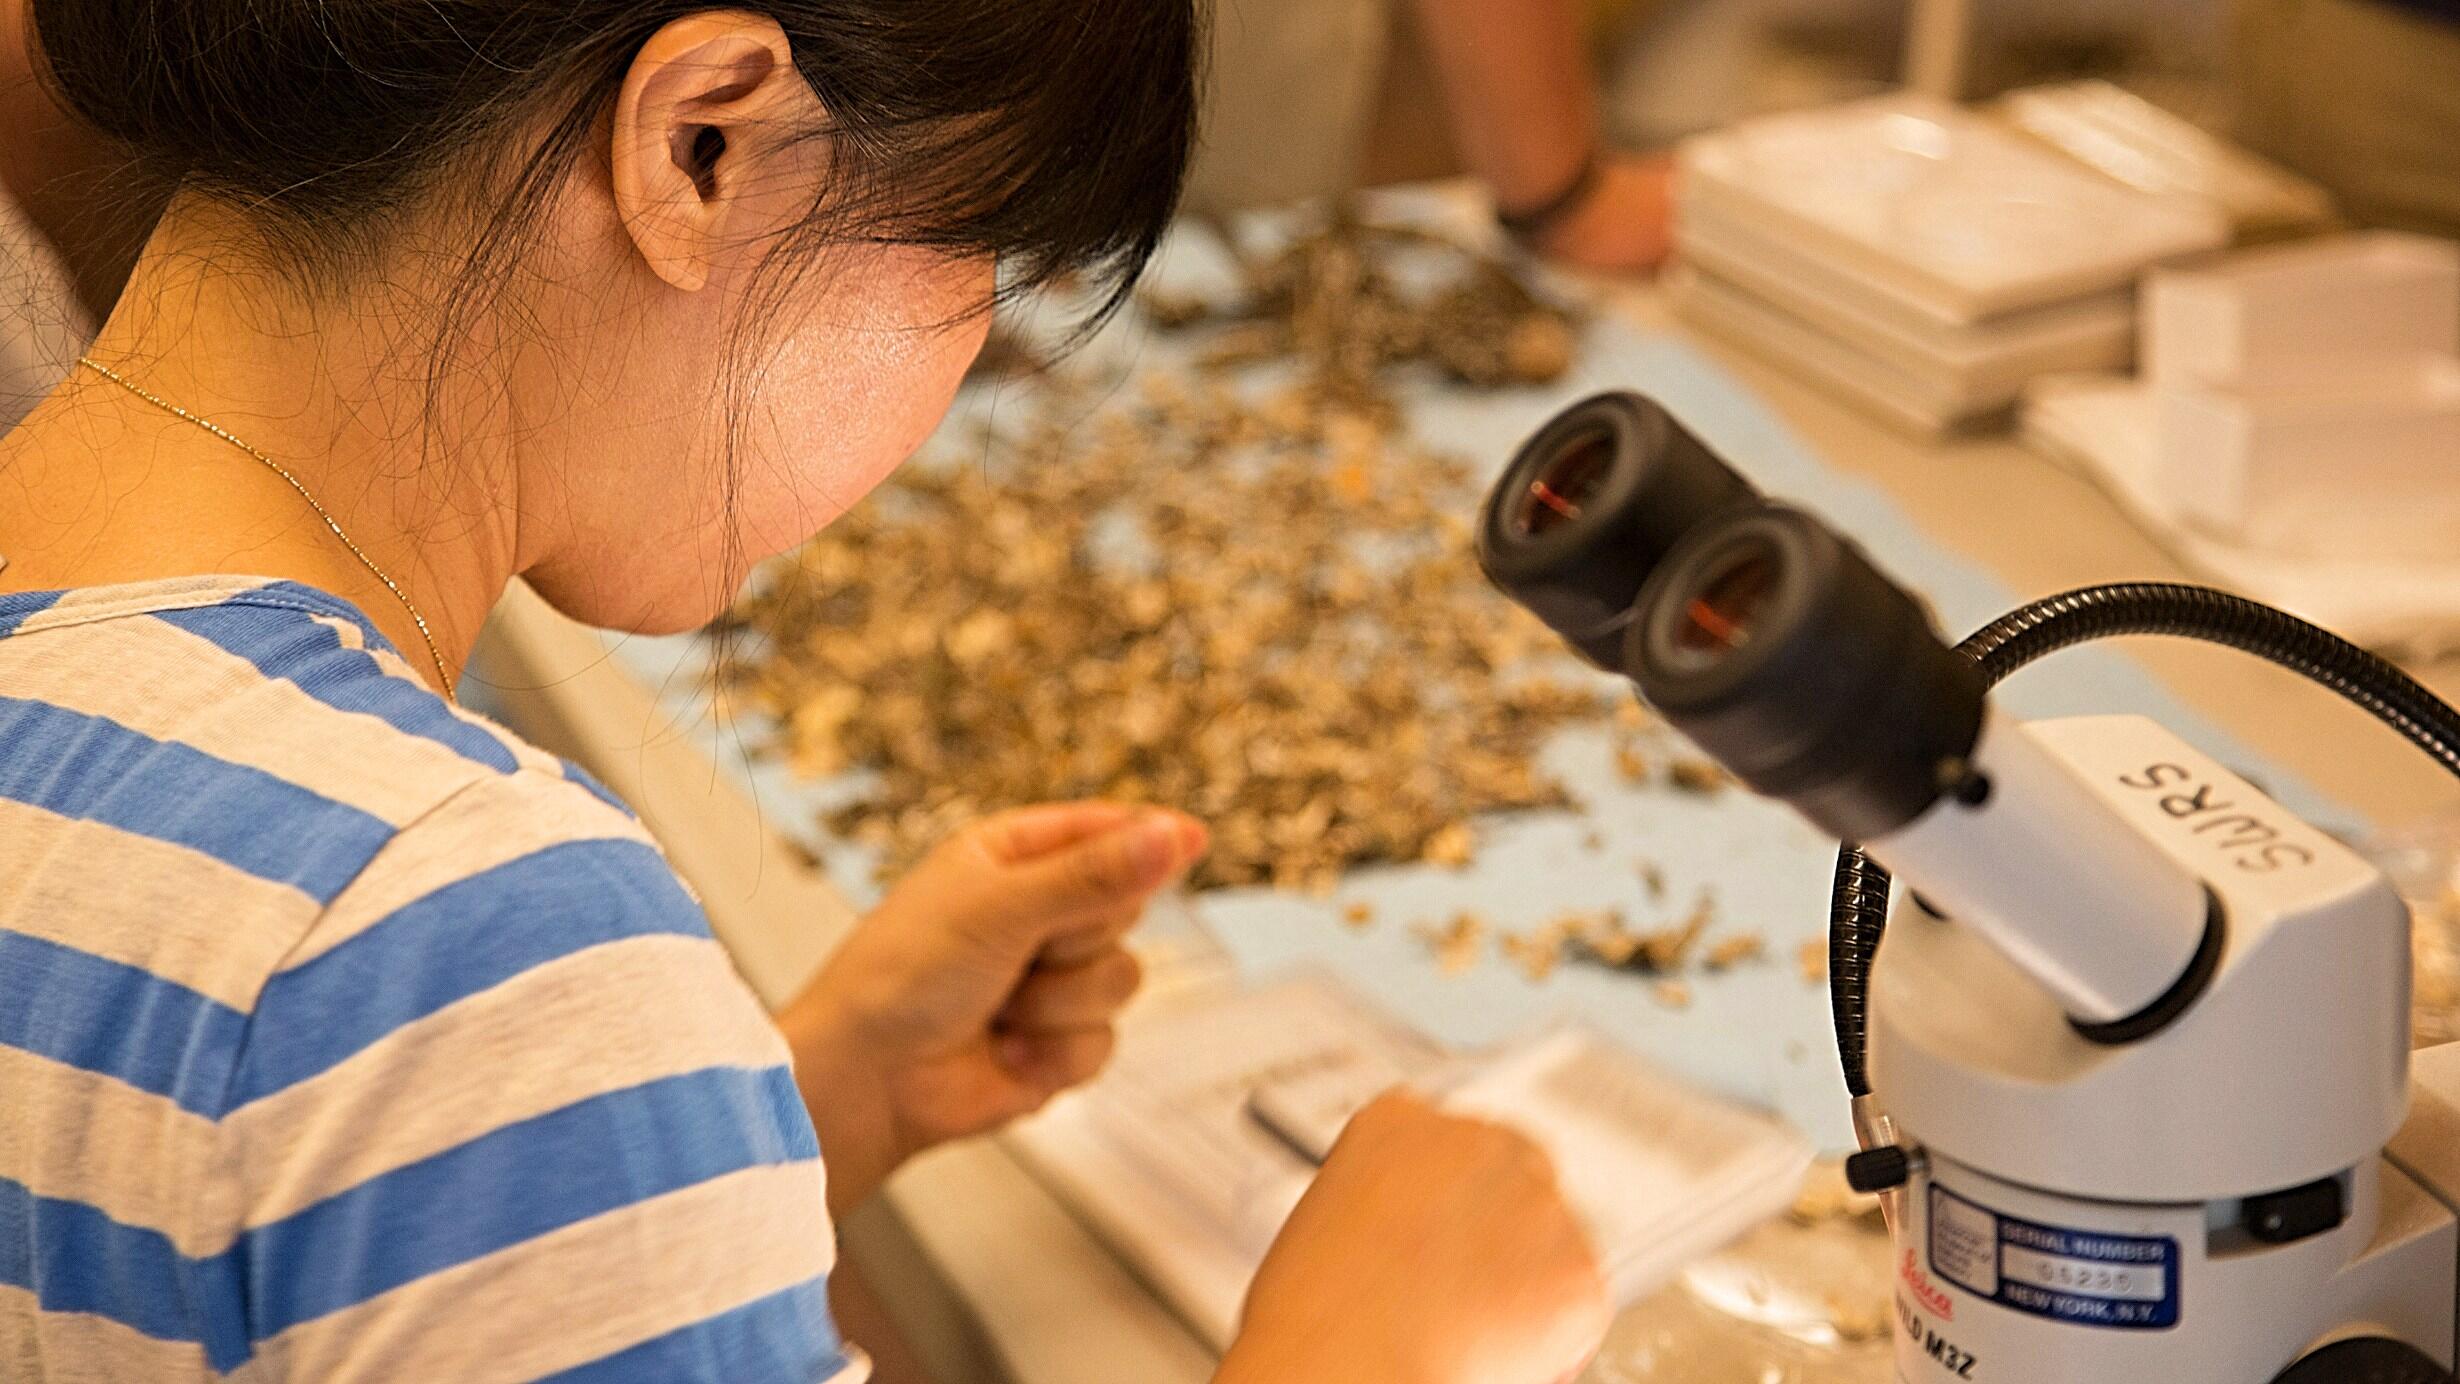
(701, 112)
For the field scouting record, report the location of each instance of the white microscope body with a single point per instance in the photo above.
(2136, 1038)
(2105, 1213)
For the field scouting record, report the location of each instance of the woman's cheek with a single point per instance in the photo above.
(828, 437)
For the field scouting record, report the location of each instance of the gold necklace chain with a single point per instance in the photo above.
(433, 651)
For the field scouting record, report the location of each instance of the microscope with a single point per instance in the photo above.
(2129, 1057)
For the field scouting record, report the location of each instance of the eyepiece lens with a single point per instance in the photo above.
(1562, 488)
(1722, 613)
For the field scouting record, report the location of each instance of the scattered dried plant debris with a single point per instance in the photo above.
(1536, 953)
(1827, 1196)
(1734, 951)
(1698, 776)
(1248, 598)
(1859, 1319)
(1338, 302)
(1451, 847)
(1606, 938)
(1631, 761)
(1358, 915)
(1812, 959)
(2434, 950)
(1457, 943)
(1673, 994)
(1006, 355)
(1664, 951)
(1653, 879)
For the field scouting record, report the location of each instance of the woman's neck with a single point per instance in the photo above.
(99, 486)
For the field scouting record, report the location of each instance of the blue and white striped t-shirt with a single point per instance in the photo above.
(345, 1037)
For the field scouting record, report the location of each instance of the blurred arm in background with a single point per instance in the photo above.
(1522, 100)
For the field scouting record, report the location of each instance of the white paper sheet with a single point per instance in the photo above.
(1166, 1157)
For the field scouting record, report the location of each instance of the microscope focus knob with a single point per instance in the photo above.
(1883, 1169)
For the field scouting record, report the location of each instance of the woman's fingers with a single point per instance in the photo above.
(1093, 935)
(1086, 995)
(1100, 862)
(1123, 865)
(1030, 832)
(1056, 1029)
(1054, 1062)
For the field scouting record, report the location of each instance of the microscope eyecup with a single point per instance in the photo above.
(1588, 508)
(1785, 655)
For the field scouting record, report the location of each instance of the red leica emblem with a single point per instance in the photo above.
(1929, 1295)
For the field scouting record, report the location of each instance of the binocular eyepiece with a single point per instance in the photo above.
(1754, 629)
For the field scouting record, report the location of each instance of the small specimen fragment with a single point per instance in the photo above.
(1826, 1196)
(1608, 938)
(1456, 944)
(1733, 951)
(1673, 994)
(1858, 1319)
(1663, 952)
(1698, 776)
(1536, 953)
(1630, 762)
(1812, 958)
(1450, 847)
(1358, 915)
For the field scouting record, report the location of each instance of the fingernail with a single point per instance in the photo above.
(1156, 845)
(1194, 837)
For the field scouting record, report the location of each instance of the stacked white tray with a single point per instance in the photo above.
(1916, 257)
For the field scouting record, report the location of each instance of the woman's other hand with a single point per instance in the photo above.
(1626, 223)
(1431, 1250)
(985, 984)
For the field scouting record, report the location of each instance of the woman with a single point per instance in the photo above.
(342, 1035)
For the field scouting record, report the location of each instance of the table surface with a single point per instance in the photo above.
(990, 1278)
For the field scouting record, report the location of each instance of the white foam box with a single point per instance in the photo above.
(2264, 319)
(2365, 462)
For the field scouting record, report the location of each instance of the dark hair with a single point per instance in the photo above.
(1052, 133)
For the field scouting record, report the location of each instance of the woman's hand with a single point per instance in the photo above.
(1431, 1250)
(984, 985)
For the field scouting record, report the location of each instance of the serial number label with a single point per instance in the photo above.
(2089, 1277)
(2083, 1276)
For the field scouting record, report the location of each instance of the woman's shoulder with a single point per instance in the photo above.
(258, 746)
(520, 867)
(281, 701)
(527, 924)
(512, 1043)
